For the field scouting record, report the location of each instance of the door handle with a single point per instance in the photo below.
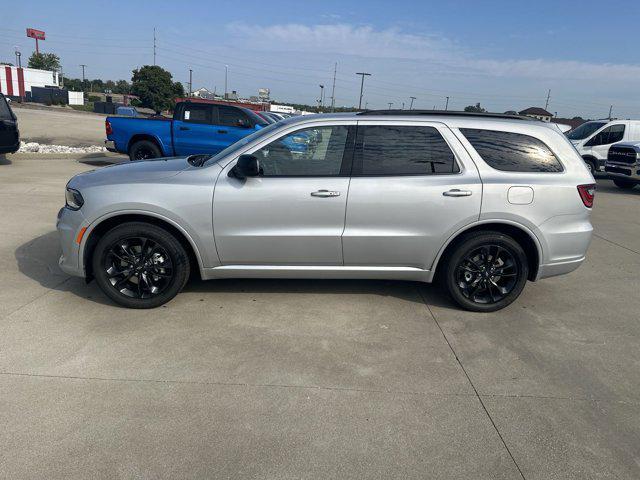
(185, 128)
(223, 131)
(456, 192)
(325, 193)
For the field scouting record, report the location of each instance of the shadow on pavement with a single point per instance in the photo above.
(4, 160)
(38, 259)
(607, 186)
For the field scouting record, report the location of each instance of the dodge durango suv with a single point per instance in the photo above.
(480, 202)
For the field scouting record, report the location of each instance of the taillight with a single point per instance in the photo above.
(107, 127)
(587, 192)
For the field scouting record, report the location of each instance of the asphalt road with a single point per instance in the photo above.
(314, 379)
(56, 126)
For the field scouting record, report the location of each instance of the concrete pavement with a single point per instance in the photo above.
(314, 379)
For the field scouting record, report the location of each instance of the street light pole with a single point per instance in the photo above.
(363, 74)
(190, 82)
(411, 104)
(446, 105)
(321, 100)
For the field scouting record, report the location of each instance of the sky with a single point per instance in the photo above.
(506, 55)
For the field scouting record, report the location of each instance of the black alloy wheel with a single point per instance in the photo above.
(485, 271)
(139, 265)
(487, 274)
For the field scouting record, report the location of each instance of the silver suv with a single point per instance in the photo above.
(482, 202)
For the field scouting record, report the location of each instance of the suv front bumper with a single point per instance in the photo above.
(68, 224)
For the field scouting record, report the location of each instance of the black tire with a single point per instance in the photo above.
(591, 165)
(624, 184)
(471, 284)
(144, 150)
(139, 265)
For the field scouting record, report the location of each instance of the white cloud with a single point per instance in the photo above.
(365, 41)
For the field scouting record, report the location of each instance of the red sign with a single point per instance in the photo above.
(33, 33)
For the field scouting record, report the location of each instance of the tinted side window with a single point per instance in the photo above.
(195, 113)
(315, 151)
(402, 150)
(512, 152)
(611, 134)
(5, 113)
(232, 117)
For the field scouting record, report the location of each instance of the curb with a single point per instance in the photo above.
(65, 156)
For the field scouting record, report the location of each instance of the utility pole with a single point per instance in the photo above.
(364, 74)
(333, 88)
(190, 81)
(226, 72)
(321, 99)
(154, 45)
(446, 105)
(546, 105)
(610, 111)
(411, 104)
(83, 65)
(390, 103)
(402, 105)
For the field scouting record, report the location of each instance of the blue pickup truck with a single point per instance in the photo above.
(195, 128)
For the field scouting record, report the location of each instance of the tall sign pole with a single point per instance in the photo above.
(37, 35)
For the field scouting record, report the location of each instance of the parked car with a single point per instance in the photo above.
(623, 164)
(593, 139)
(196, 128)
(483, 202)
(126, 111)
(9, 133)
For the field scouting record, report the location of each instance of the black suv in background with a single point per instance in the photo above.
(9, 134)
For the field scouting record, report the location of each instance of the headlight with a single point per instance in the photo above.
(74, 199)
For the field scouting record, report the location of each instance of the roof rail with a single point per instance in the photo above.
(442, 113)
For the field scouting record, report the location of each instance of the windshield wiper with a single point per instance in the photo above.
(198, 160)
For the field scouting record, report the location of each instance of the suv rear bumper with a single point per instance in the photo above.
(560, 268)
(110, 145)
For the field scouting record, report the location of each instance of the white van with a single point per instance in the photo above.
(593, 139)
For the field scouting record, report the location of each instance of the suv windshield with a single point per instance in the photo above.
(584, 130)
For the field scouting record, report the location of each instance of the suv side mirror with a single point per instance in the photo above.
(246, 166)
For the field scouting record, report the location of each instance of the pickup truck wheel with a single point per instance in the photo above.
(624, 184)
(486, 271)
(144, 149)
(139, 265)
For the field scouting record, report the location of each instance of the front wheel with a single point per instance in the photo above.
(624, 184)
(591, 165)
(486, 271)
(139, 265)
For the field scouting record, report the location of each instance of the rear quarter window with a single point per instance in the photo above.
(512, 152)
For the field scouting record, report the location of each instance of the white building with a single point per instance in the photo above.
(16, 82)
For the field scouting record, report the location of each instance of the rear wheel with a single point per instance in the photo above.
(624, 184)
(143, 150)
(486, 271)
(139, 265)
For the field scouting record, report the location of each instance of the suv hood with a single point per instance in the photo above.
(139, 171)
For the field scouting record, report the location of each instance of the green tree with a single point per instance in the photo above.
(44, 61)
(122, 86)
(475, 108)
(155, 87)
